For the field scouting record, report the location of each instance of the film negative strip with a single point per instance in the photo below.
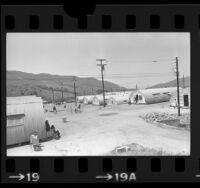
(100, 98)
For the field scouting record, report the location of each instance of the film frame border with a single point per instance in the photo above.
(134, 18)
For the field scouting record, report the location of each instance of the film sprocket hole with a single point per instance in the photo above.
(100, 94)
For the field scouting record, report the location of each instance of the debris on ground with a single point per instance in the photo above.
(122, 149)
(168, 119)
(137, 150)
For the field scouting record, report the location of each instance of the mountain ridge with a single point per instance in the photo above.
(46, 85)
(173, 83)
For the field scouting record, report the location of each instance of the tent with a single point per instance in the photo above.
(87, 99)
(150, 96)
(25, 115)
(98, 100)
(111, 101)
(122, 97)
(184, 98)
(80, 99)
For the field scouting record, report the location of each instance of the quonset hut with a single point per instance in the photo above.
(119, 98)
(98, 100)
(150, 96)
(112, 98)
(80, 99)
(184, 98)
(25, 115)
(87, 99)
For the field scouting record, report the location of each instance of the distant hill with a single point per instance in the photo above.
(173, 83)
(43, 85)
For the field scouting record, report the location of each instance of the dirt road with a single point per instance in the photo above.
(97, 131)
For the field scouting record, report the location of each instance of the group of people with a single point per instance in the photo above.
(76, 108)
(73, 108)
(51, 131)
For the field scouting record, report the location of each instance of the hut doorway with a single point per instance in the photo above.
(136, 99)
(186, 100)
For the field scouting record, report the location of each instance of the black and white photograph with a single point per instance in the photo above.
(98, 94)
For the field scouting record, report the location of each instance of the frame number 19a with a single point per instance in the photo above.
(123, 177)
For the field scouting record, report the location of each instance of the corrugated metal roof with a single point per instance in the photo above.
(155, 95)
(23, 99)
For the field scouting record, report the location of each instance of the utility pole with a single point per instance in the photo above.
(53, 95)
(177, 79)
(102, 65)
(74, 80)
(62, 91)
(183, 81)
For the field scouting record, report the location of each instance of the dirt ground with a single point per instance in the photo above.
(98, 131)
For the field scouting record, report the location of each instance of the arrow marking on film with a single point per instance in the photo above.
(19, 177)
(107, 177)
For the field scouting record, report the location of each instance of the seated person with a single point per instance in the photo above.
(55, 133)
(34, 141)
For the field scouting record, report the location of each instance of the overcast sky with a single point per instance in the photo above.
(129, 56)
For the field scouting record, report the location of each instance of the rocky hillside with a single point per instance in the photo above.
(44, 85)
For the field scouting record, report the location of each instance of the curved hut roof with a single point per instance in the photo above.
(155, 95)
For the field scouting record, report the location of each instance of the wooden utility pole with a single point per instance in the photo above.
(62, 91)
(102, 69)
(53, 95)
(183, 81)
(74, 80)
(177, 79)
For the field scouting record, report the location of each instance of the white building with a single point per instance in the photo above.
(25, 115)
(184, 95)
(150, 96)
(88, 99)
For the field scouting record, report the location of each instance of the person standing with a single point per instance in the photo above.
(54, 109)
(47, 126)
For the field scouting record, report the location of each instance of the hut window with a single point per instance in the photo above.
(156, 94)
(15, 120)
(140, 97)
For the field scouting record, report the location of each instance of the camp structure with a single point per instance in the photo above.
(122, 97)
(79, 99)
(150, 96)
(25, 115)
(98, 100)
(118, 98)
(111, 101)
(184, 96)
(112, 98)
(87, 99)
